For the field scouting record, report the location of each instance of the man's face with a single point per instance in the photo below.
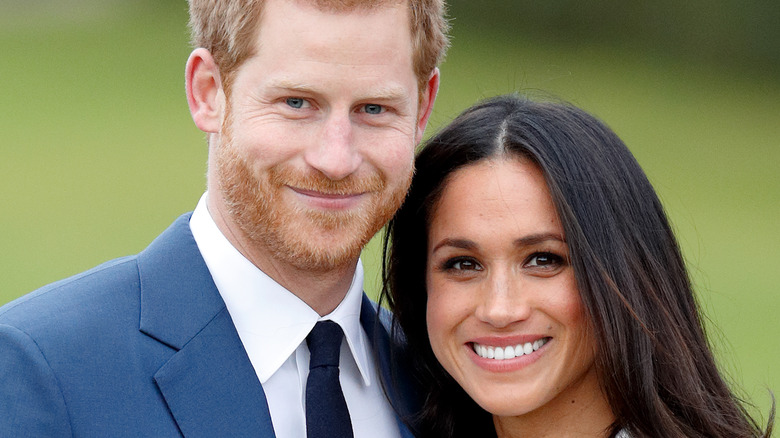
(316, 150)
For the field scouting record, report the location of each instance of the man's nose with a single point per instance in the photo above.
(335, 153)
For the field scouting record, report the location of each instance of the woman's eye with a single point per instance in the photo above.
(544, 259)
(373, 108)
(462, 264)
(296, 102)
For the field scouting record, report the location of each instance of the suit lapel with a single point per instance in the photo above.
(211, 387)
(404, 397)
(209, 384)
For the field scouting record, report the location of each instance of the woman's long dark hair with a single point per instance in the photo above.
(652, 355)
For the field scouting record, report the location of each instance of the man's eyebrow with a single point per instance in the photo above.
(284, 84)
(386, 93)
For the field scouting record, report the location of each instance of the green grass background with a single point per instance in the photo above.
(99, 153)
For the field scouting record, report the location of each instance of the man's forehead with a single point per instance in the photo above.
(356, 38)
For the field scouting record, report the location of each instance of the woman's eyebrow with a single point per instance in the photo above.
(535, 239)
(455, 243)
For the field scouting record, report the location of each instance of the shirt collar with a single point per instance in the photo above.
(270, 320)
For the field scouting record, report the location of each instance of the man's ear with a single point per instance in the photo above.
(426, 103)
(204, 91)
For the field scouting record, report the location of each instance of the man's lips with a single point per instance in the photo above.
(319, 194)
(329, 200)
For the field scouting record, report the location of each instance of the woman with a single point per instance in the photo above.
(541, 289)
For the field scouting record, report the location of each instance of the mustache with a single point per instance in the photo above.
(316, 181)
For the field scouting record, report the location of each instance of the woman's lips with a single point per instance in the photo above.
(507, 355)
(511, 351)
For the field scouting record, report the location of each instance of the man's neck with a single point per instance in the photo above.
(323, 289)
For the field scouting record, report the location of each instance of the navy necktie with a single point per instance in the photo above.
(327, 415)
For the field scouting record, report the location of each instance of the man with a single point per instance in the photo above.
(312, 111)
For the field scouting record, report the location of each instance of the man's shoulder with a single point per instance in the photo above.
(87, 294)
(99, 295)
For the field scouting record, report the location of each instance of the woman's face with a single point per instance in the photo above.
(504, 314)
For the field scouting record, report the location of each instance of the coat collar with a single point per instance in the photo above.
(209, 384)
(178, 296)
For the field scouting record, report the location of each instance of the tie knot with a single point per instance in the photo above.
(324, 343)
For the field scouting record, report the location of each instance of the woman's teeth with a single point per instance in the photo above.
(510, 351)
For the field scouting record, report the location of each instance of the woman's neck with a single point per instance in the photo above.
(586, 415)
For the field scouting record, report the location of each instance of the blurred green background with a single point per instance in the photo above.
(100, 154)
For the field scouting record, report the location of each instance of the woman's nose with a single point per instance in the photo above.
(503, 302)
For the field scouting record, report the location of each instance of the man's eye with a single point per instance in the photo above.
(296, 102)
(373, 108)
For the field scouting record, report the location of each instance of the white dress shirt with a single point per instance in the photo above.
(273, 324)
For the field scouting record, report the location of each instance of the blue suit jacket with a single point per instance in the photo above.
(141, 346)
